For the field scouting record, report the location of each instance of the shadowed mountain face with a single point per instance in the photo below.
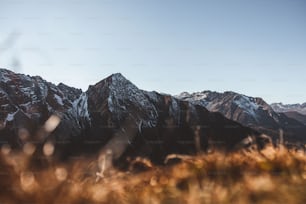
(297, 116)
(249, 111)
(112, 115)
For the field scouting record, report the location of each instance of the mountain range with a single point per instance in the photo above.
(296, 111)
(252, 112)
(116, 116)
(280, 107)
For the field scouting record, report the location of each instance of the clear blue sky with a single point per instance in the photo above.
(255, 47)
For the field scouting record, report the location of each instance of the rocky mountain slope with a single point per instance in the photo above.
(113, 115)
(249, 111)
(297, 116)
(26, 103)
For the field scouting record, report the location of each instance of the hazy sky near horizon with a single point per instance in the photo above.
(254, 47)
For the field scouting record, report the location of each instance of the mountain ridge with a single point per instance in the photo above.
(280, 107)
(252, 112)
(116, 114)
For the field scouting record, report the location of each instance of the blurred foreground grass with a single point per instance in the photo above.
(273, 175)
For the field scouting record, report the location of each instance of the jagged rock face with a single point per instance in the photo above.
(114, 114)
(249, 111)
(32, 95)
(279, 107)
(27, 102)
(118, 97)
(71, 93)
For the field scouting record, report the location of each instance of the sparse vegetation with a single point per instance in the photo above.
(272, 175)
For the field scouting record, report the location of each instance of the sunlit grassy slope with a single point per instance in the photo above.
(273, 175)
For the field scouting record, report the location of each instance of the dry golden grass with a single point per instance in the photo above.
(273, 175)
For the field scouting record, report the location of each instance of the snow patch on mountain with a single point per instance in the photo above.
(4, 78)
(200, 96)
(247, 104)
(10, 116)
(80, 107)
(58, 99)
(4, 75)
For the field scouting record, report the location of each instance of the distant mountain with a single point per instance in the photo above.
(253, 112)
(279, 107)
(113, 115)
